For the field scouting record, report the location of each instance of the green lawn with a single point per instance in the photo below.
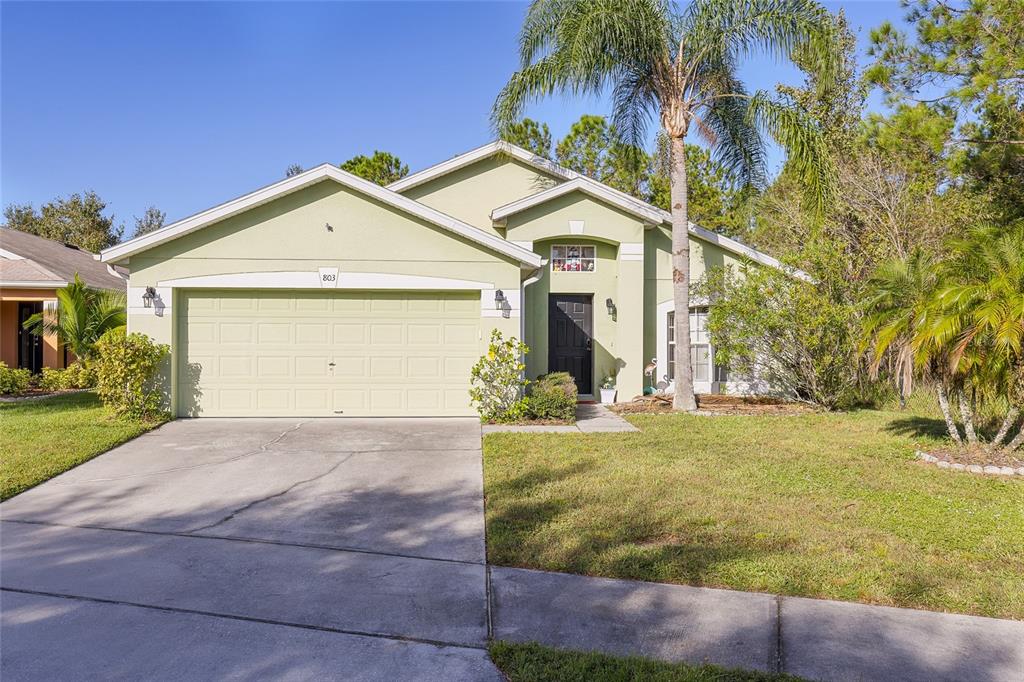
(822, 505)
(42, 438)
(535, 663)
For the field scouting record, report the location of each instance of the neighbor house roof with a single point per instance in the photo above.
(302, 180)
(28, 261)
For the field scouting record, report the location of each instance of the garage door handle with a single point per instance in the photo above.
(330, 364)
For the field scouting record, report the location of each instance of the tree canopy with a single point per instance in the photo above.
(151, 220)
(77, 219)
(382, 168)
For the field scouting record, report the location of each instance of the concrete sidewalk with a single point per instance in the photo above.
(816, 639)
(590, 418)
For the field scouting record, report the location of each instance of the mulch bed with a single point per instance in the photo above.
(533, 422)
(716, 405)
(37, 393)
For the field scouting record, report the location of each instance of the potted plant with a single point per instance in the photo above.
(608, 390)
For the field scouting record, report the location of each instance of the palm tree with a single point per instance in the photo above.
(982, 320)
(898, 304)
(963, 319)
(83, 315)
(680, 66)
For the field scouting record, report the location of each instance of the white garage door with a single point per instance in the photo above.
(287, 353)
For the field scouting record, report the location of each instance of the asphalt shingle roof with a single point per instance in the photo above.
(44, 260)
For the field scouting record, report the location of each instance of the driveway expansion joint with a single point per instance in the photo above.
(249, 619)
(252, 540)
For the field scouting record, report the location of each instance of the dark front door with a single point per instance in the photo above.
(30, 346)
(570, 343)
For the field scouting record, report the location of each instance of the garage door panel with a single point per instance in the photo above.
(248, 353)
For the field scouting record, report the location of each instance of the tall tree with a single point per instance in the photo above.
(681, 67)
(530, 135)
(964, 62)
(292, 170)
(151, 220)
(714, 199)
(77, 220)
(382, 168)
(594, 148)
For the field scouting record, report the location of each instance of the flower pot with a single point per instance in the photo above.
(607, 396)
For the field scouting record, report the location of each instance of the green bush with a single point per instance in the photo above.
(51, 379)
(554, 397)
(13, 381)
(127, 373)
(75, 375)
(496, 381)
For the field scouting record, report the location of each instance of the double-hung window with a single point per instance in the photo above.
(573, 258)
(701, 354)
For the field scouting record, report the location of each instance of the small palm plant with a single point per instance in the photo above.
(680, 67)
(82, 316)
(961, 320)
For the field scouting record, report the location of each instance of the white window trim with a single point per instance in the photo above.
(566, 245)
(661, 359)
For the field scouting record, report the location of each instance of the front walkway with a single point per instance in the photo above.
(590, 418)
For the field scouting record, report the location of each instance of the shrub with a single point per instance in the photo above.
(497, 382)
(554, 397)
(790, 333)
(127, 367)
(51, 379)
(13, 381)
(75, 375)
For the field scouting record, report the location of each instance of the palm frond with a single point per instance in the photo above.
(795, 132)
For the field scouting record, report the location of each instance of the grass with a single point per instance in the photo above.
(45, 437)
(535, 663)
(821, 505)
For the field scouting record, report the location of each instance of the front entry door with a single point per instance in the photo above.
(570, 338)
(30, 346)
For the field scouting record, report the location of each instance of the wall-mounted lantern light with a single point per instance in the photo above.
(148, 296)
(499, 299)
(611, 306)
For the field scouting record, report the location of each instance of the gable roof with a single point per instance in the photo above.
(577, 182)
(652, 215)
(31, 261)
(649, 214)
(479, 154)
(302, 180)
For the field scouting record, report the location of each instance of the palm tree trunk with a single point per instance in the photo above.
(1017, 442)
(968, 416)
(684, 398)
(954, 433)
(1008, 422)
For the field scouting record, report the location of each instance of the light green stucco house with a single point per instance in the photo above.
(324, 294)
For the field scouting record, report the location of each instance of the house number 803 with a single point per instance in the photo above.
(327, 277)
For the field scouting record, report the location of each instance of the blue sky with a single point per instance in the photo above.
(185, 105)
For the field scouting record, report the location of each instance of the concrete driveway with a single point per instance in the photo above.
(291, 549)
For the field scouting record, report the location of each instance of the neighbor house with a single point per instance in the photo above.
(31, 270)
(324, 294)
